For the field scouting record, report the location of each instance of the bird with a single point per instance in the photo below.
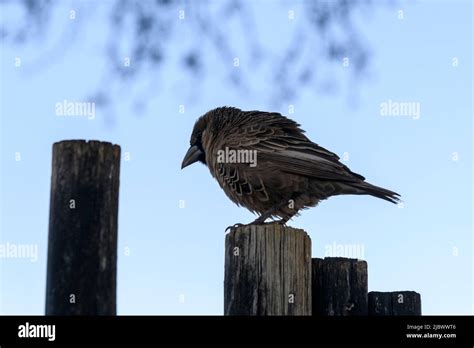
(264, 162)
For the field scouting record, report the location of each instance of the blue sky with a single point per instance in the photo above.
(425, 246)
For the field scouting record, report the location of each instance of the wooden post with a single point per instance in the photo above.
(394, 303)
(267, 271)
(339, 287)
(82, 242)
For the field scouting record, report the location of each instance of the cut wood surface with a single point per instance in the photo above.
(339, 286)
(82, 242)
(394, 303)
(267, 271)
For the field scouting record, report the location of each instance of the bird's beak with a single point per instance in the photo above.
(191, 156)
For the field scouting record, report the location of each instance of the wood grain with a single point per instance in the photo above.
(394, 303)
(339, 287)
(82, 242)
(267, 271)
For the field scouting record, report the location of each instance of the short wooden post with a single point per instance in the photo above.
(339, 287)
(267, 271)
(394, 303)
(82, 242)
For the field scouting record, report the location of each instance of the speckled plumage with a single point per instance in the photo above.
(291, 172)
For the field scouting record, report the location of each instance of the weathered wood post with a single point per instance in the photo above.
(394, 303)
(267, 271)
(82, 242)
(339, 287)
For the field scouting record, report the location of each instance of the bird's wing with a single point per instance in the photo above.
(281, 143)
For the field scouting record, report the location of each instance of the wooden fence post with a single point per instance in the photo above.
(394, 303)
(82, 242)
(267, 271)
(339, 287)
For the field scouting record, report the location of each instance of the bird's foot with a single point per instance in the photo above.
(261, 221)
(258, 221)
(233, 227)
(281, 222)
(237, 225)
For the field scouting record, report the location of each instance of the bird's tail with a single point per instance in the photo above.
(364, 188)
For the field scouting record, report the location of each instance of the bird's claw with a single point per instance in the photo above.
(233, 227)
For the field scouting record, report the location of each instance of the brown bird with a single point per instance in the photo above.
(264, 162)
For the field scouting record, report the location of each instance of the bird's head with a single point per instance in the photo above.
(196, 151)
